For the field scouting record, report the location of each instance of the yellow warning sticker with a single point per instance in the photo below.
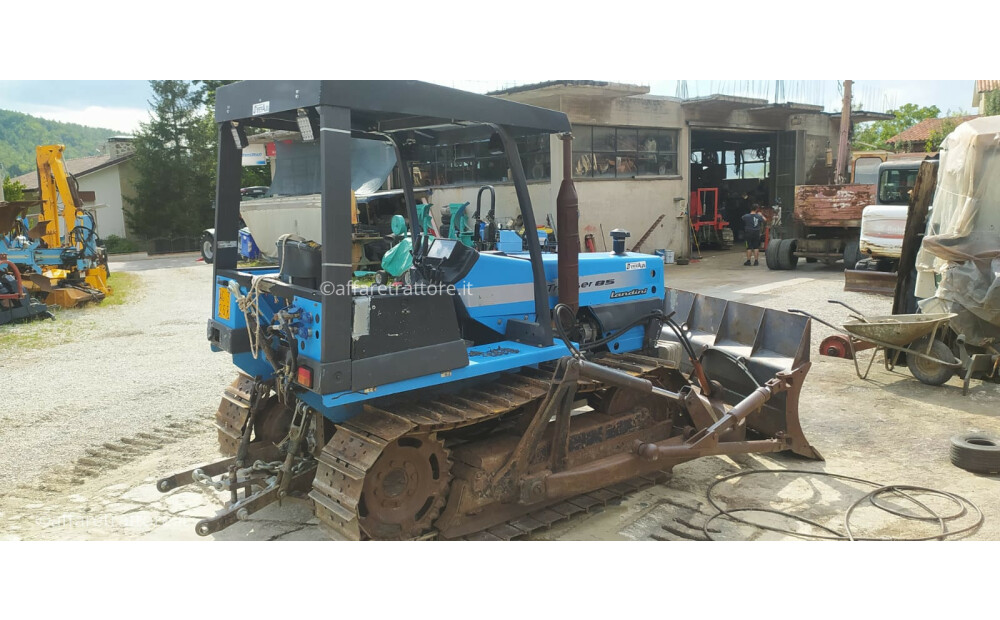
(224, 296)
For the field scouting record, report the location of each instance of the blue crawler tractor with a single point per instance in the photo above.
(500, 391)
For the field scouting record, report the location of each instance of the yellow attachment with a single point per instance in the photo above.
(59, 291)
(54, 184)
(97, 278)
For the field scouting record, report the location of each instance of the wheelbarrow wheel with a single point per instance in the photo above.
(928, 371)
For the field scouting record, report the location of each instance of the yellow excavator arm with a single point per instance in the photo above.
(53, 183)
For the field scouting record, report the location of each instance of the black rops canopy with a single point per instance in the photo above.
(382, 106)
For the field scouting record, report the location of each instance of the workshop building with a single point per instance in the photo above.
(637, 157)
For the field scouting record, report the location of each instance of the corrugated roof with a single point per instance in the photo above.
(985, 86)
(77, 166)
(921, 132)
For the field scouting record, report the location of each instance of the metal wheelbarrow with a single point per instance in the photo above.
(928, 358)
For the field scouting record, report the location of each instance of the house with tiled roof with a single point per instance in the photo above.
(915, 139)
(108, 176)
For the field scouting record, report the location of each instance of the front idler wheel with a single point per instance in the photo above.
(405, 489)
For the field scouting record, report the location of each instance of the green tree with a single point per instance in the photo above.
(21, 133)
(991, 103)
(206, 91)
(12, 190)
(873, 136)
(948, 125)
(175, 165)
(251, 175)
(255, 175)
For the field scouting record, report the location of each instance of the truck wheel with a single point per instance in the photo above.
(852, 254)
(771, 254)
(976, 452)
(927, 371)
(208, 248)
(786, 254)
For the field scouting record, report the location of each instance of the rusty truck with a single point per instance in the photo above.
(826, 221)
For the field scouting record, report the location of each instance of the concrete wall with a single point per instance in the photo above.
(106, 184)
(635, 205)
(129, 177)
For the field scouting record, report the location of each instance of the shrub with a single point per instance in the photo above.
(119, 245)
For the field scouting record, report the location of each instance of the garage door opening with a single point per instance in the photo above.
(736, 170)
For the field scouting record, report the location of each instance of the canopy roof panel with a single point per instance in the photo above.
(382, 106)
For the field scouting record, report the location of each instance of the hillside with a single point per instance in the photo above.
(21, 133)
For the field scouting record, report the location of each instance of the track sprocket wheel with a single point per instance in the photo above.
(405, 489)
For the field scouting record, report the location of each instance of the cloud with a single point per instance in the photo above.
(125, 120)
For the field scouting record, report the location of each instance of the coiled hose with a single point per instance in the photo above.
(872, 497)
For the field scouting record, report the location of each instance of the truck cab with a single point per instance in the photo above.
(883, 223)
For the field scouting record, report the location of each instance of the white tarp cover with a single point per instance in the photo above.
(962, 241)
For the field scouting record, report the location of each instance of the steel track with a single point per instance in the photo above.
(357, 444)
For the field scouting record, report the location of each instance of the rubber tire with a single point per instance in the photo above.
(926, 371)
(976, 452)
(771, 254)
(852, 254)
(208, 239)
(786, 254)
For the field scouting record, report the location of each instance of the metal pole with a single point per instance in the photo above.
(568, 221)
(844, 148)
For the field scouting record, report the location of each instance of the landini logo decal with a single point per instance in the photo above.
(631, 293)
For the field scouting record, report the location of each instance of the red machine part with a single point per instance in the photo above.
(17, 278)
(838, 346)
(704, 209)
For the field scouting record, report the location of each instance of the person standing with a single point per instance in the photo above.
(753, 231)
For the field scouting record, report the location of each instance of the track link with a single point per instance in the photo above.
(232, 413)
(357, 444)
(543, 519)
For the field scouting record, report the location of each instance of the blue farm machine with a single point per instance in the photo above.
(59, 258)
(500, 391)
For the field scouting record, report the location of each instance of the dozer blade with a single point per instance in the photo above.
(877, 282)
(742, 347)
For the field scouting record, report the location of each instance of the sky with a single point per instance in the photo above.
(122, 104)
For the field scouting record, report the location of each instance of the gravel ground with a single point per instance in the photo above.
(109, 373)
(136, 389)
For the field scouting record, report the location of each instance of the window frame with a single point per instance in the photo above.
(596, 161)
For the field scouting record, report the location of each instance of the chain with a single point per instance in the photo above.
(222, 484)
(204, 479)
(271, 467)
